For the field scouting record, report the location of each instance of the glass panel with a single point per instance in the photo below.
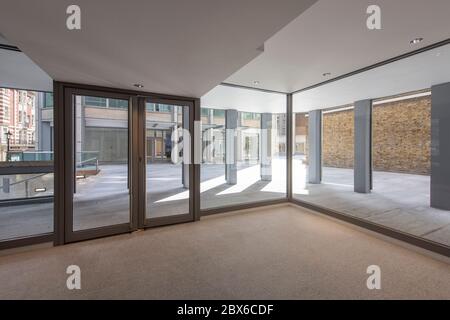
(401, 160)
(167, 170)
(300, 154)
(401, 168)
(102, 195)
(244, 147)
(338, 147)
(26, 163)
(337, 155)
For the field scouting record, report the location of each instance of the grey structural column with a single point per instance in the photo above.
(363, 146)
(186, 146)
(315, 146)
(80, 126)
(266, 147)
(289, 144)
(440, 146)
(231, 125)
(209, 138)
(175, 136)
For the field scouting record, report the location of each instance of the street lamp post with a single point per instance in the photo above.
(8, 138)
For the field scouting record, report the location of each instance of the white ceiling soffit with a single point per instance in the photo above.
(332, 36)
(170, 46)
(417, 72)
(225, 97)
(4, 41)
(17, 71)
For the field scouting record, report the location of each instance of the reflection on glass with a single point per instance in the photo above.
(26, 163)
(101, 195)
(167, 147)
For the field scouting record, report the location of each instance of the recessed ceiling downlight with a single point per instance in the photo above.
(416, 41)
(138, 85)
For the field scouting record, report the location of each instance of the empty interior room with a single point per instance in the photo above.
(233, 150)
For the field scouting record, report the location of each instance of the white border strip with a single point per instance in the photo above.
(412, 96)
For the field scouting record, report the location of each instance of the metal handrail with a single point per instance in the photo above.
(86, 161)
(93, 159)
(79, 165)
(26, 181)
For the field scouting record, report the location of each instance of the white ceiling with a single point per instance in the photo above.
(170, 46)
(332, 36)
(225, 97)
(19, 72)
(3, 40)
(417, 72)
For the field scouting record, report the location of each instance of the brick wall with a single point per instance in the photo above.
(338, 139)
(401, 137)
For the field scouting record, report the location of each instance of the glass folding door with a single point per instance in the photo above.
(167, 169)
(128, 163)
(98, 157)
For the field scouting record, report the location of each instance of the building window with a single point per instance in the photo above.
(205, 112)
(218, 113)
(163, 108)
(250, 116)
(155, 107)
(118, 104)
(95, 102)
(6, 111)
(48, 100)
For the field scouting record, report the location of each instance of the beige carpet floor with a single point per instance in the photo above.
(272, 253)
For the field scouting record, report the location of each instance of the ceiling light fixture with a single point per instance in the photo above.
(416, 41)
(138, 85)
(256, 82)
(326, 74)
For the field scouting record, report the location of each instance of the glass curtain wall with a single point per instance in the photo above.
(244, 148)
(401, 153)
(394, 186)
(26, 163)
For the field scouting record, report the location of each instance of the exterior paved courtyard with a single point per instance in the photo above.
(399, 201)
